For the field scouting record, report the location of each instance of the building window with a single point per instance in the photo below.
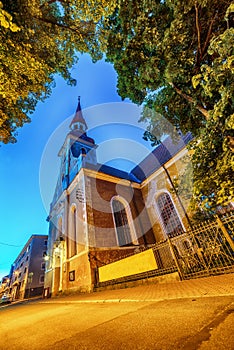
(72, 275)
(41, 279)
(45, 243)
(44, 253)
(60, 228)
(83, 151)
(73, 233)
(25, 269)
(186, 244)
(169, 217)
(43, 266)
(122, 217)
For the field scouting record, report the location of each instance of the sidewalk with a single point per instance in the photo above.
(222, 285)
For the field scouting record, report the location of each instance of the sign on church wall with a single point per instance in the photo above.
(132, 265)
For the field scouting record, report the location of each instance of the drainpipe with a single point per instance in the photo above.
(138, 217)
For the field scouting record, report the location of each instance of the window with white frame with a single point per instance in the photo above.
(168, 215)
(123, 222)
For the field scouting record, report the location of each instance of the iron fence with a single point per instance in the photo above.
(207, 249)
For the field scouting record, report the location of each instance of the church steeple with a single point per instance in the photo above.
(78, 122)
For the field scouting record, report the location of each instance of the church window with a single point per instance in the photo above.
(168, 215)
(186, 244)
(122, 218)
(60, 228)
(73, 232)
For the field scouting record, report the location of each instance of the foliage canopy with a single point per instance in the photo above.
(38, 39)
(178, 58)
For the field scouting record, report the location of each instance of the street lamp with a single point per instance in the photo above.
(46, 257)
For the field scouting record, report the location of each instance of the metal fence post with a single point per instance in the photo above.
(225, 232)
(175, 258)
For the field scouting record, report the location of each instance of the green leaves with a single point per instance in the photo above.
(38, 39)
(177, 57)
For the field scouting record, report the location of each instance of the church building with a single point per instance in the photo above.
(100, 214)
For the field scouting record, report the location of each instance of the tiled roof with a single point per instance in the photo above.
(159, 156)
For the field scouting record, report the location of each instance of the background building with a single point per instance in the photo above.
(4, 285)
(26, 278)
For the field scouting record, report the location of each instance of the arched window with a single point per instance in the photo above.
(60, 227)
(169, 217)
(123, 222)
(83, 151)
(73, 231)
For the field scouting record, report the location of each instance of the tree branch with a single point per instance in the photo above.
(208, 34)
(191, 100)
(76, 30)
(198, 30)
(51, 2)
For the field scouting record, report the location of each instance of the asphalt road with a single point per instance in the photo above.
(199, 323)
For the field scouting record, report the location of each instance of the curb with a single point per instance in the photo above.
(153, 300)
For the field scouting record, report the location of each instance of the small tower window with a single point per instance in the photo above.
(83, 151)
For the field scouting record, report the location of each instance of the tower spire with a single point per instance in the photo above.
(78, 122)
(78, 106)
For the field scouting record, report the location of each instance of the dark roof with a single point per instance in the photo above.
(118, 173)
(108, 170)
(159, 156)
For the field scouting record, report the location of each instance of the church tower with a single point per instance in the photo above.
(78, 151)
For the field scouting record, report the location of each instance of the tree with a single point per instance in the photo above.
(38, 39)
(177, 57)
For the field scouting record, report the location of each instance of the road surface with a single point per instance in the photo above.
(191, 323)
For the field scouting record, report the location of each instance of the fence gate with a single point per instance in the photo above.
(206, 250)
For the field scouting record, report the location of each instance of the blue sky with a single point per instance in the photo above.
(22, 212)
